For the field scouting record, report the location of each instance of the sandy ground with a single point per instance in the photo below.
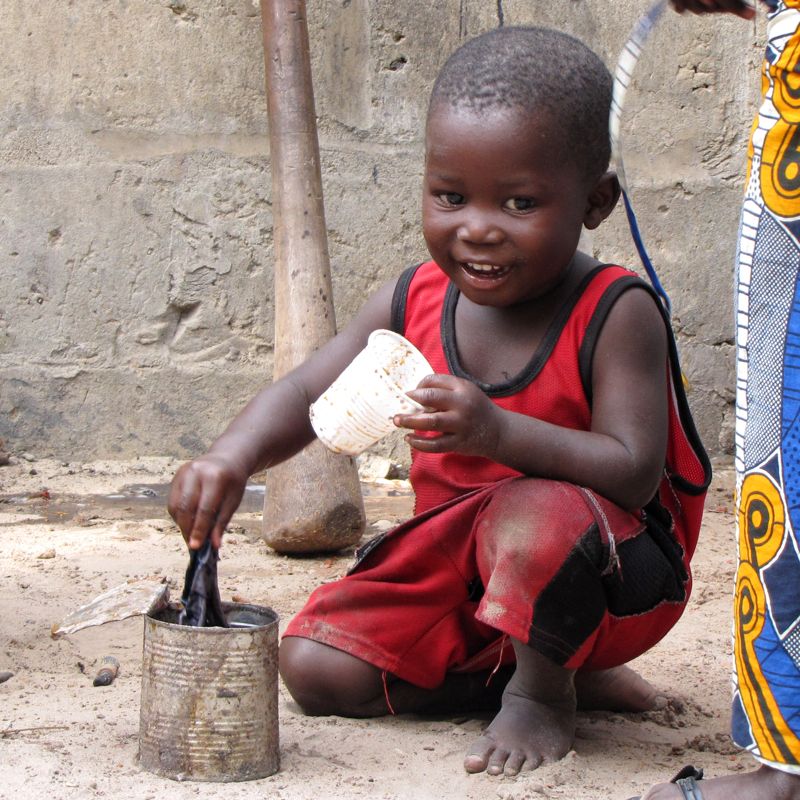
(69, 531)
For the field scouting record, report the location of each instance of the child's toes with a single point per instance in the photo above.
(515, 762)
(497, 761)
(477, 759)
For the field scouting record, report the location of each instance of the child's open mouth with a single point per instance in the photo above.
(485, 270)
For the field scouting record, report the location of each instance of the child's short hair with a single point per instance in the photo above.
(534, 69)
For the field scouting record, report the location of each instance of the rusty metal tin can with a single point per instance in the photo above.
(209, 703)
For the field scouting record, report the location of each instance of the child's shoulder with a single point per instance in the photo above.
(621, 312)
(608, 279)
(613, 281)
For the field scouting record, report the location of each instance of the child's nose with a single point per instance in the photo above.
(480, 229)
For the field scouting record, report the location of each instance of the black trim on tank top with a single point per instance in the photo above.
(400, 297)
(601, 311)
(539, 358)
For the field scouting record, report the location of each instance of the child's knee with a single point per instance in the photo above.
(300, 672)
(533, 519)
(325, 681)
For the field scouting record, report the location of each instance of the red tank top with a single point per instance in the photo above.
(555, 386)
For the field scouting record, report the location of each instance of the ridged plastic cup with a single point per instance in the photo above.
(357, 409)
(209, 703)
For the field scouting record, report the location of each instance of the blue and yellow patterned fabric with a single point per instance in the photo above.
(766, 707)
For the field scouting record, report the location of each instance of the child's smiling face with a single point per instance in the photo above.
(503, 203)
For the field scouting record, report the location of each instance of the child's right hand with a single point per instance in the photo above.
(204, 495)
(462, 418)
(740, 8)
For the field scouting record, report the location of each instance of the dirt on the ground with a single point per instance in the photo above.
(69, 531)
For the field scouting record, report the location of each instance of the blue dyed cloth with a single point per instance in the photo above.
(766, 707)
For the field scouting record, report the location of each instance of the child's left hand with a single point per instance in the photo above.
(463, 418)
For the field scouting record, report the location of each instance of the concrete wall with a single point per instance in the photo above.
(135, 216)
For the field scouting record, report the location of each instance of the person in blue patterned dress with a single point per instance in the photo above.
(766, 624)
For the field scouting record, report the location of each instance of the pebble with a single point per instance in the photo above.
(4, 676)
(373, 467)
(108, 671)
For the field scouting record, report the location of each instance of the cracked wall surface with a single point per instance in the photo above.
(135, 210)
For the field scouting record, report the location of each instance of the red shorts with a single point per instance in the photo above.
(553, 565)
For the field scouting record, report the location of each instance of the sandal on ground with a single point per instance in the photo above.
(686, 780)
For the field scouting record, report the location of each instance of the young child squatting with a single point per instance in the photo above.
(559, 480)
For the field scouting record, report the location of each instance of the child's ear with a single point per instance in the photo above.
(602, 200)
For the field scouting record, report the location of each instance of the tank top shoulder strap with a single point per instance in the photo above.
(610, 283)
(400, 298)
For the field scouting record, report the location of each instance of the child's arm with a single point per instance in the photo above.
(621, 457)
(271, 428)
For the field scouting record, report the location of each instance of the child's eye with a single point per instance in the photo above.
(519, 204)
(451, 198)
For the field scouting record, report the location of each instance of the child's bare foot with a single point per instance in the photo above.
(524, 734)
(616, 689)
(764, 782)
(536, 723)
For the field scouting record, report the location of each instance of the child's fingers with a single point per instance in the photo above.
(183, 500)
(216, 533)
(218, 529)
(433, 421)
(227, 510)
(206, 515)
(417, 422)
(433, 397)
(438, 380)
(432, 444)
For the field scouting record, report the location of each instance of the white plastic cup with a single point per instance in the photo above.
(357, 409)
